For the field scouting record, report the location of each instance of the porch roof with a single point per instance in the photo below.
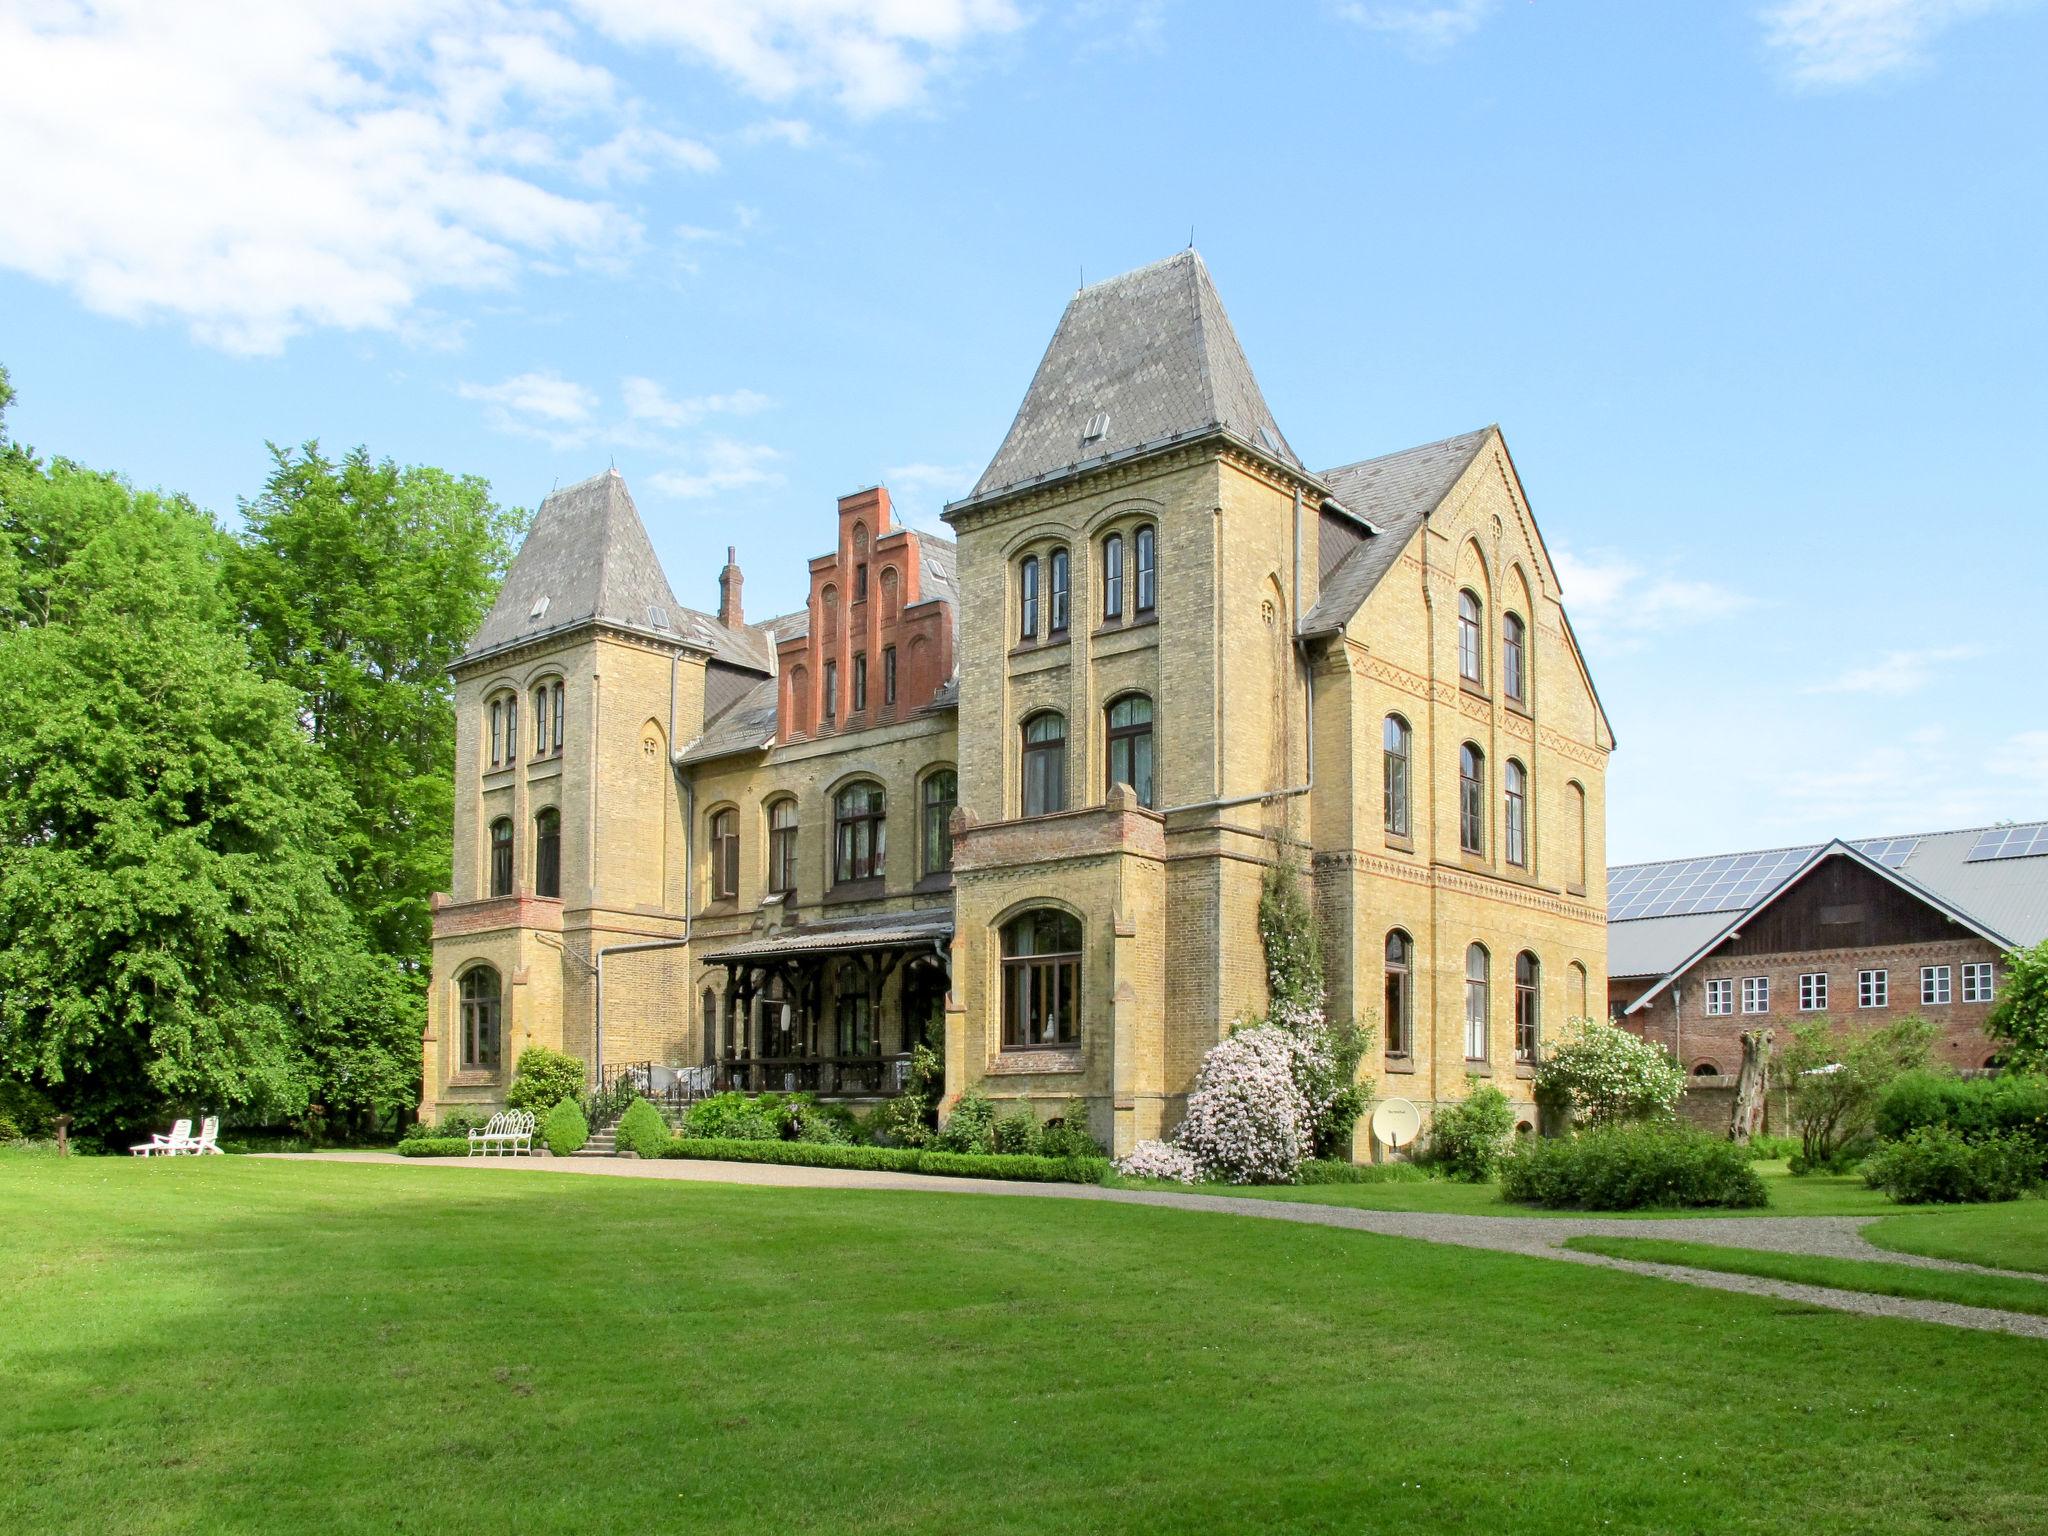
(893, 930)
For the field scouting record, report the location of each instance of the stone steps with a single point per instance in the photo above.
(601, 1144)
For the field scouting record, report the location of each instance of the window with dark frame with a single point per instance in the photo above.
(1130, 745)
(888, 676)
(1515, 827)
(558, 717)
(860, 681)
(1045, 763)
(1471, 639)
(1041, 980)
(482, 1020)
(1514, 658)
(542, 697)
(725, 855)
(1056, 592)
(501, 856)
(1027, 598)
(1471, 799)
(1400, 999)
(831, 692)
(547, 853)
(511, 729)
(1145, 544)
(859, 829)
(497, 731)
(1528, 1006)
(1397, 745)
(1113, 577)
(782, 827)
(1478, 1000)
(941, 792)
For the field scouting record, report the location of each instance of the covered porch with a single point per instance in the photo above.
(831, 1008)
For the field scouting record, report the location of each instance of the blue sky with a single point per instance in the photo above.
(1754, 290)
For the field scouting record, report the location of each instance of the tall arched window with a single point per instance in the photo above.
(543, 702)
(482, 1023)
(1130, 745)
(1045, 763)
(511, 729)
(1528, 1006)
(889, 592)
(1041, 980)
(1027, 598)
(1397, 745)
(1471, 639)
(1514, 659)
(501, 856)
(1575, 834)
(1145, 544)
(725, 855)
(941, 793)
(1400, 1015)
(1575, 989)
(782, 846)
(1471, 799)
(1056, 592)
(1478, 1000)
(799, 701)
(1515, 822)
(859, 832)
(1113, 577)
(547, 853)
(497, 713)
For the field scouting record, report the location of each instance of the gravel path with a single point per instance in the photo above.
(1838, 1237)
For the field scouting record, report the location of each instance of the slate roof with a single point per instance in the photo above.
(2008, 897)
(1154, 353)
(586, 560)
(748, 725)
(1394, 493)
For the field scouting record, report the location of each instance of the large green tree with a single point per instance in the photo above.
(171, 929)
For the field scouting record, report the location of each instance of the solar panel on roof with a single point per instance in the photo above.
(2022, 842)
(1891, 852)
(1720, 883)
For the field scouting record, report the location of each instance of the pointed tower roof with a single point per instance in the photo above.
(1137, 361)
(587, 559)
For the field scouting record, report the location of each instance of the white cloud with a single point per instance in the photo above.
(1832, 43)
(791, 131)
(1610, 595)
(869, 55)
(722, 465)
(647, 401)
(1897, 673)
(633, 154)
(541, 404)
(919, 491)
(2024, 759)
(1426, 28)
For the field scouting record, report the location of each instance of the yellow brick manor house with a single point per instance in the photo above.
(1013, 794)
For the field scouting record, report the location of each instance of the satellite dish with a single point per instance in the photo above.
(1396, 1123)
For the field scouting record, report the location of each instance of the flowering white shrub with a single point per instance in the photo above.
(1607, 1076)
(1160, 1160)
(1247, 1121)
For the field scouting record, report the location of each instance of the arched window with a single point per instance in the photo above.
(482, 1026)
(497, 712)
(1146, 551)
(860, 681)
(501, 856)
(941, 793)
(1113, 577)
(543, 702)
(547, 853)
(1471, 639)
(1398, 743)
(1400, 1016)
(799, 700)
(1041, 980)
(725, 855)
(1471, 799)
(1045, 763)
(859, 832)
(782, 846)
(831, 692)
(1514, 659)
(1130, 744)
(1575, 989)
(1528, 1006)
(1575, 834)
(829, 599)
(1478, 1000)
(1515, 825)
(1027, 598)
(1056, 592)
(708, 1003)
(1706, 1069)
(889, 592)
(504, 730)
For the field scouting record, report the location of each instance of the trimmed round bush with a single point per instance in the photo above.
(642, 1131)
(1632, 1168)
(542, 1077)
(564, 1129)
(1937, 1165)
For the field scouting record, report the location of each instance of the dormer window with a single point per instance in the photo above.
(540, 610)
(1097, 428)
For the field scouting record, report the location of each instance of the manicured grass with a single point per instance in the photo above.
(2010, 1235)
(242, 1346)
(1844, 1274)
(1814, 1195)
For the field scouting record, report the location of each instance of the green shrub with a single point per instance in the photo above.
(1846, 1157)
(642, 1131)
(1630, 1168)
(565, 1130)
(1935, 1164)
(2013, 1103)
(543, 1078)
(460, 1123)
(1763, 1148)
(1837, 1077)
(1016, 1134)
(1066, 1134)
(972, 1125)
(730, 1117)
(803, 1154)
(1603, 1075)
(1467, 1139)
(897, 1122)
(24, 1113)
(1335, 1171)
(434, 1146)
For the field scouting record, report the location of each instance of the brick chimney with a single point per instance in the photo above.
(729, 591)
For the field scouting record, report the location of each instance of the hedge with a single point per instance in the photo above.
(1935, 1164)
(434, 1146)
(2014, 1104)
(1337, 1171)
(958, 1165)
(1628, 1168)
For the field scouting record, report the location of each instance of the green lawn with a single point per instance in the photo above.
(1846, 1274)
(2011, 1235)
(231, 1345)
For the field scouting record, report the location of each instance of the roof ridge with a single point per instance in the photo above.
(1334, 469)
(1881, 837)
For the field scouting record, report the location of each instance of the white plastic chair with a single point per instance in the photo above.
(158, 1146)
(205, 1142)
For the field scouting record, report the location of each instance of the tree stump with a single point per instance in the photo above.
(1753, 1086)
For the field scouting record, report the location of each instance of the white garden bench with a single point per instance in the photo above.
(510, 1133)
